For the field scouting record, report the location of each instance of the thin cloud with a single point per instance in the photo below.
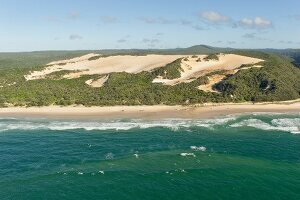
(159, 20)
(74, 15)
(185, 22)
(148, 20)
(163, 20)
(151, 41)
(198, 27)
(213, 17)
(231, 42)
(295, 17)
(75, 37)
(286, 42)
(256, 23)
(254, 36)
(159, 34)
(249, 35)
(109, 19)
(52, 19)
(122, 41)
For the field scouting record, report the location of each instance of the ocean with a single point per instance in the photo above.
(255, 156)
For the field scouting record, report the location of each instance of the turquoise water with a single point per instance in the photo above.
(246, 157)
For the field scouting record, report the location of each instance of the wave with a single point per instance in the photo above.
(291, 125)
(173, 124)
(274, 123)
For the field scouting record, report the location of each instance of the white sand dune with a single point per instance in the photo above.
(193, 68)
(104, 65)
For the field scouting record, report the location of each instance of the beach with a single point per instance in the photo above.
(155, 112)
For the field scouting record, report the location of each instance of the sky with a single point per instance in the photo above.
(32, 25)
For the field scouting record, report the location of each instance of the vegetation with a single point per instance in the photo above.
(98, 57)
(60, 74)
(277, 80)
(170, 71)
(211, 57)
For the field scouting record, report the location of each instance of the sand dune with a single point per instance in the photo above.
(86, 65)
(194, 68)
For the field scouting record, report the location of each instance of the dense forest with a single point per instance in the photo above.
(278, 80)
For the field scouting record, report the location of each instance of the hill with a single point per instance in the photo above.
(192, 75)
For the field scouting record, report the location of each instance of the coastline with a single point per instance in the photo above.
(203, 111)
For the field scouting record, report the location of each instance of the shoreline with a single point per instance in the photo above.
(203, 111)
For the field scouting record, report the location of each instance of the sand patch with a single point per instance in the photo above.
(197, 66)
(97, 83)
(212, 81)
(95, 64)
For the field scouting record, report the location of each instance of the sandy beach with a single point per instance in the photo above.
(150, 112)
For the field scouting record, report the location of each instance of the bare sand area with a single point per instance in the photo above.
(192, 67)
(149, 112)
(196, 66)
(95, 64)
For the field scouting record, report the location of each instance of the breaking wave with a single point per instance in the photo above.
(291, 125)
(173, 124)
(269, 123)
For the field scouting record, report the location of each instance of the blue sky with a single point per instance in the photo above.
(108, 24)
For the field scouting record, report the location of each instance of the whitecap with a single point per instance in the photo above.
(187, 154)
(291, 125)
(172, 124)
(109, 156)
(201, 148)
(288, 124)
(136, 155)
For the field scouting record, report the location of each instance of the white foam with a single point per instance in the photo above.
(173, 124)
(195, 148)
(291, 125)
(136, 155)
(188, 154)
(109, 156)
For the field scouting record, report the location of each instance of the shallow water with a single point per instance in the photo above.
(233, 157)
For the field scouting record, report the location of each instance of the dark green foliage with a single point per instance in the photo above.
(211, 57)
(170, 71)
(60, 74)
(219, 72)
(278, 80)
(98, 57)
(120, 89)
(94, 58)
(292, 54)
